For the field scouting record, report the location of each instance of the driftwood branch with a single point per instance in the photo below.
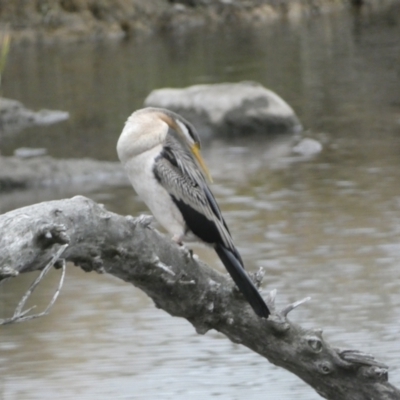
(21, 316)
(131, 250)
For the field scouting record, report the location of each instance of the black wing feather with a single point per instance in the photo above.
(242, 280)
(187, 187)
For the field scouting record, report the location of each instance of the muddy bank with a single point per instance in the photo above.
(45, 20)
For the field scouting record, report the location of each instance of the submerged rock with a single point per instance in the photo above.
(14, 116)
(29, 152)
(307, 147)
(45, 171)
(231, 109)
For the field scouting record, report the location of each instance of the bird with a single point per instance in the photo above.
(160, 151)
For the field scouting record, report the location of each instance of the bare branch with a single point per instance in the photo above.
(19, 315)
(178, 283)
(294, 305)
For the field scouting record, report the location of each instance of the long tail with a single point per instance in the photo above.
(242, 280)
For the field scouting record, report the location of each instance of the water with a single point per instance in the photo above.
(327, 227)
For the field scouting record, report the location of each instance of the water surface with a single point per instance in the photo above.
(326, 227)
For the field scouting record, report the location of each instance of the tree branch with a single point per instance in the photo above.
(21, 316)
(131, 250)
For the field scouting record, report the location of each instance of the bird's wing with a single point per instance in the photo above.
(177, 171)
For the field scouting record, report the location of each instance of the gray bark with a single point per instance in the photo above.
(131, 250)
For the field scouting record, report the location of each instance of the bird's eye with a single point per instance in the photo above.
(194, 137)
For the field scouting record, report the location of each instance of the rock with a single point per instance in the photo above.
(48, 117)
(307, 147)
(231, 109)
(28, 152)
(45, 171)
(15, 117)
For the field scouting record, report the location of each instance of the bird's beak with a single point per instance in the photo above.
(196, 152)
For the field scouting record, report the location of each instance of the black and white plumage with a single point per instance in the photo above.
(161, 154)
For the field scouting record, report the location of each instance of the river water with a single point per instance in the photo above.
(326, 227)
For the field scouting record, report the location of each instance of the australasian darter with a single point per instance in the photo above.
(161, 154)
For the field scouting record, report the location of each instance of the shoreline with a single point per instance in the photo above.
(81, 20)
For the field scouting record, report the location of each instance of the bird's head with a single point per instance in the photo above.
(149, 127)
(187, 133)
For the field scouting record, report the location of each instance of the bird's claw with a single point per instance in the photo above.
(188, 253)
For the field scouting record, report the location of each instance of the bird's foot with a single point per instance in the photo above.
(188, 253)
(178, 239)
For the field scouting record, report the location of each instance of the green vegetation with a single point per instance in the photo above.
(5, 39)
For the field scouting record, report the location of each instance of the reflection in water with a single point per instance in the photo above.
(327, 227)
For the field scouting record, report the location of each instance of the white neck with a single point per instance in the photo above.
(141, 133)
